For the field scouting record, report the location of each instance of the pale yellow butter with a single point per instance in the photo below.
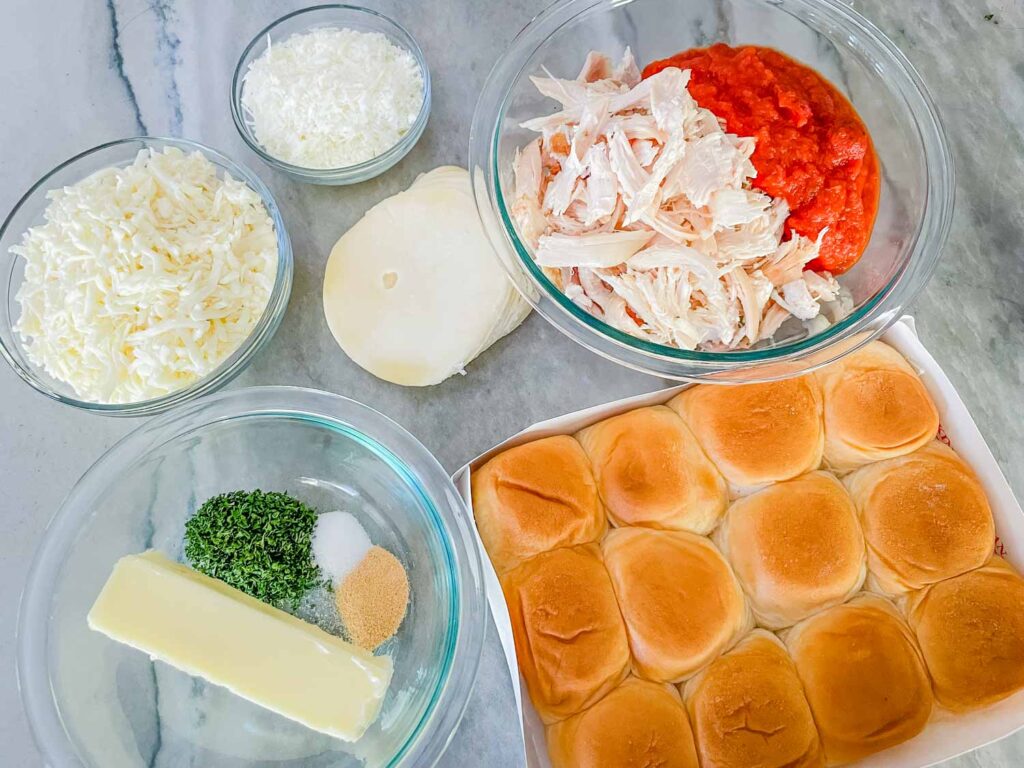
(208, 629)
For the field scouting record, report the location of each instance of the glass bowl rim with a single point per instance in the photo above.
(365, 169)
(926, 245)
(264, 329)
(418, 467)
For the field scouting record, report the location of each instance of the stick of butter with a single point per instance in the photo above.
(211, 630)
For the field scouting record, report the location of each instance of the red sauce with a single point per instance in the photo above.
(812, 148)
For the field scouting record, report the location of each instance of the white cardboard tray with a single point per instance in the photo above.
(946, 735)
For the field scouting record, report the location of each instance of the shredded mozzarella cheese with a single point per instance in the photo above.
(144, 279)
(330, 98)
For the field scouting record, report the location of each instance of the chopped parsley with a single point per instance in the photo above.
(260, 543)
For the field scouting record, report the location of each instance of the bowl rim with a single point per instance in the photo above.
(235, 363)
(431, 735)
(926, 242)
(360, 171)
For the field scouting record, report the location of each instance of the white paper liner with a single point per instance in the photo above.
(947, 735)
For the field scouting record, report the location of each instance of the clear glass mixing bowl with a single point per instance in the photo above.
(915, 207)
(29, 213)
(93, 702)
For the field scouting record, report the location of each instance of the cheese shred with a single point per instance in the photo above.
(331, 97)
(145, 278)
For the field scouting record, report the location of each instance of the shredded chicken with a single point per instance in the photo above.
(639, 205)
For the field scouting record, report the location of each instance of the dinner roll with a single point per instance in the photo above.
(971, 632)
(748, 709)
(569, 637)
(680, 601)
(863, 676)
(796, 547)
(756, 433)
(651, 471)
(638, 725)
(925, 518)
(876, 408)
(536, 497)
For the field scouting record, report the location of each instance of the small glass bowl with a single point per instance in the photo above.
(338, 16)
(915, 206)
(94, 703)
(29, 213)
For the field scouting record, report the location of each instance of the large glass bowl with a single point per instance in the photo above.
(330, 16)
(916, 201)
(29, 213)
(93, 702)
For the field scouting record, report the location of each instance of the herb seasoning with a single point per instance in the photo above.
(260, 543)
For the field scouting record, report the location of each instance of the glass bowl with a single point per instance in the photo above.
(338, 15)
(915, 207)
(29, 213)
(94, 702)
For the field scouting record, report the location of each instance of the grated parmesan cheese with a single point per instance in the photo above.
(331, 98)
(145, 278)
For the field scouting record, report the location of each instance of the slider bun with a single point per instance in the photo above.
(971, 632)
(748, 709)
(876, 408)
(638, 725)
(863, 676)
(680, 601)
(536, 497)
(652, 472)
(796, 548)
(756, 433)
(569, 637)
(925, 518)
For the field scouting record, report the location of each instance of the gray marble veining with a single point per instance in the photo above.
(75, 74)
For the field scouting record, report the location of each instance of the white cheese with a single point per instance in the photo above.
(413, 292)
(144, 279)
(208, 629)
(331, 98)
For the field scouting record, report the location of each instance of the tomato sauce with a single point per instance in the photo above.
(812, 148)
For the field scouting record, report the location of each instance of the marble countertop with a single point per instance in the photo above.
(73, 75)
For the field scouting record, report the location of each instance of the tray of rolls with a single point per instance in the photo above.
(821, 571)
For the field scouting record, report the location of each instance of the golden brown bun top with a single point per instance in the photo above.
(971, 631)
(748, 709)
(757, 433)
(680, 600)
(925, 518)
(651, 471)
(863, 676)
(638, 725)
(536, 497)
(876, 407)
(569, 636)
(796, 547)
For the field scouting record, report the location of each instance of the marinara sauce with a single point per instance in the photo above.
(812, 148)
